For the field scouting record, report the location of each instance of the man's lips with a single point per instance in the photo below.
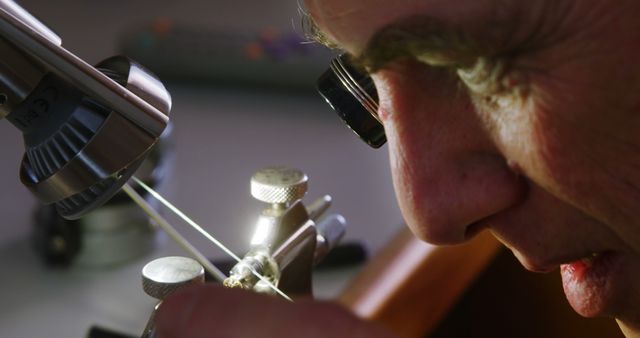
(539, 260)
(548, 264)
(579, 268)
(591, 283)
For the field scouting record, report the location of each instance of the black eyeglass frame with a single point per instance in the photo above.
(353, 95)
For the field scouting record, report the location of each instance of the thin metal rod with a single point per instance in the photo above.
(318, 207)
(197, 227)
(173, 233)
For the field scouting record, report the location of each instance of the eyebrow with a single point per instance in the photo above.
(420, 37)
(313, 33)
(423, 38)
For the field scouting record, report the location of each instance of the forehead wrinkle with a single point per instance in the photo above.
(454, 38)
(350, 23)
(340, 14)
(315, 19)
(353, 24)
(337, 13)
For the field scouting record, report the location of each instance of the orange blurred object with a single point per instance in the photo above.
(409, 286)
(162, 26)
(253, 51)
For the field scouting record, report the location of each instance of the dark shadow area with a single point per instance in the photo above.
(508, 301)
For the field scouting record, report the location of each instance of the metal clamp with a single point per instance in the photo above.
(289, 238)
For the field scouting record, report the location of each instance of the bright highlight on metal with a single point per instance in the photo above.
(263, 230)
(197, 227)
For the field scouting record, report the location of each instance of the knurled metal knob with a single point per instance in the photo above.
(165, 275)
(278, 184)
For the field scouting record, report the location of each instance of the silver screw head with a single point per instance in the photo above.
(278, 184)
(165, 275)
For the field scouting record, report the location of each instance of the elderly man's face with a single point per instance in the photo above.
(518, 116)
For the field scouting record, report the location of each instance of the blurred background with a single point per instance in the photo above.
(243, 94)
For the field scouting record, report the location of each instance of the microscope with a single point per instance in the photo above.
(86, 128)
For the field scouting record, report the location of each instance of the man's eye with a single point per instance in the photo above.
(352, 94)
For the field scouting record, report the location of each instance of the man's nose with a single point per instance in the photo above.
(449, 177)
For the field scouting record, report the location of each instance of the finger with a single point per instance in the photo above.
(211, 311)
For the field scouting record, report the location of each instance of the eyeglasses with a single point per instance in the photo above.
(352, 94)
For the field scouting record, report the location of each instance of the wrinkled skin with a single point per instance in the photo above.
(550, 162)
(547, 157)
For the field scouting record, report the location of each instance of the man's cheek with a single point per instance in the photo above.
(526, 136)
(550, 153)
